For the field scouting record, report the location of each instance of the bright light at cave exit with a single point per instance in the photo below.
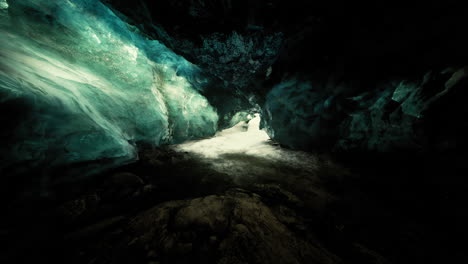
(244, 138)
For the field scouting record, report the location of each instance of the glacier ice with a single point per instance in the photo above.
(292, 113)
(81, 85)
(302, 113)
(3, 4)
(242, 116)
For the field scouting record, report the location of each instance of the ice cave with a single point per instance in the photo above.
(233, 132)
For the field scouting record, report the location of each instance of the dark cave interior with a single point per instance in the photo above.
(229, 132)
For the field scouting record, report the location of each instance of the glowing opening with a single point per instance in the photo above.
(245, 137)
(3, 4)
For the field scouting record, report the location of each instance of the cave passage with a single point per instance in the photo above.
(244, 137)
(233, 132)
(245, 152)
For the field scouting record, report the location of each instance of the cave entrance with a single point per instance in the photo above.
(245, 153)
(244, 137)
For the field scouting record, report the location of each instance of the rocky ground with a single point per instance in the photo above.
(176, 207)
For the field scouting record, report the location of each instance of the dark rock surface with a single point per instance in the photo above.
(181, 210)
(230, 226)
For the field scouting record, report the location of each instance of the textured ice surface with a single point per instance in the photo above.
(3, 4)
(242, 116)
(293, 110)
(307, 114)
(82, 85)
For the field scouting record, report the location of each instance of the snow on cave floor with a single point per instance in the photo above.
(248, 157)
(246, 151)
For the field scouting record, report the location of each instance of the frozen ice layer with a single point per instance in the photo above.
(81, 85)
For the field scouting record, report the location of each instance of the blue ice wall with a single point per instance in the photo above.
(77, 84)
(292, 113)
(394, 115)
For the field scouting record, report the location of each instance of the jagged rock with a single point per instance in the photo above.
(80, 208)
(371, 256)
(274, 193)
(123, 185)
(95, 229)
(126, 179)
(223, 229)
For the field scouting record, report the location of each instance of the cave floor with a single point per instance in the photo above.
(185, 207)
(207, 202)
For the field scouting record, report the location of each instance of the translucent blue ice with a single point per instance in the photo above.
(91, 86)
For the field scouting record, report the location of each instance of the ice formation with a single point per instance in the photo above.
(82, 85)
